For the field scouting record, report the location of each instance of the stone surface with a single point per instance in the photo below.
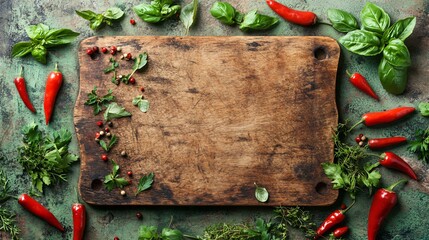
(408, 220)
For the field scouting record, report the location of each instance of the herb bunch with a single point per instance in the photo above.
(157, 10)
(45, 158)
(420, 145)
(41, 39)
(377, 36)
(99, 102)
(98, 20)
(7, 218)
(348, 172)
(113, 180)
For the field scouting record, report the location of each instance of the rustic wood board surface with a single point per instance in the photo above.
(225, 113)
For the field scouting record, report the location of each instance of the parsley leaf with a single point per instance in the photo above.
(115, 111)
(420, 145)
(106, 147)
(145, 182)
(112, 67)
(112, 180)
(142, 103)
(46, 159)
(99, 102)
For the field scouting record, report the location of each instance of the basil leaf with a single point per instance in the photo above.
(96, 22)
(86, 14)
(342, 21)
(224, 12)
(148, 232)
(397, 54)
(148, 13)
(189, 14)
(374, 18)
(39, 53)
(171, 234)
(57, 37)
(424, 109)
(393, 79)
(115, 111)
(400, 29)
(37, 32)
(168, 11)
(362, 42)
(145, 182)
(261, 194)
(113, 13)
(255, 21)
(21, 49)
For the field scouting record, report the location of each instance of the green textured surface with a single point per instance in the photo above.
(408, 220)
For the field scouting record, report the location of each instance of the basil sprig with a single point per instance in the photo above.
(96, 21)
(41, 39)
(228, 15)
(157, 10)
(377, 36)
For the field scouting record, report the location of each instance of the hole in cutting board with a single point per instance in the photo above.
(320, 53)
(321, 188)
(96, 184)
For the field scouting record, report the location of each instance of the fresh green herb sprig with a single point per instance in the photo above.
(347, 171)
(141, 103)
(157, 10)
(42, 38)
(115, 111)
(112, 180)
(107, 146)
(151, 233)
(45, 158)
(228, 15)
(99, 102)
(96, 21)
(5, 191)
(378, 36)
(145, 182)
(420, 145)
(112, 67)
(294, 217)
(8, 223)
(188, 14)
(424, 109)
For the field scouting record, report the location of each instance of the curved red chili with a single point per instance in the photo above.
(339, 232)
(388, 116)
(378, 143)
(22, 90)
(391, 160)
(382, 203)
(333, 219)
(79, 220)
(362, 84)
(53, 85)
(39, 210)
(303, 18)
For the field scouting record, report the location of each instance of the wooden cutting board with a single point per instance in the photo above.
(225, 113)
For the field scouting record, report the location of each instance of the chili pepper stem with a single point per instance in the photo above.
(21, 71)
(351, 205)
(391, 187)
(348, 73)
(355, 125)
(56, 67)
(324, 23)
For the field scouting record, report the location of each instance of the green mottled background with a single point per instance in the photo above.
(409, 219)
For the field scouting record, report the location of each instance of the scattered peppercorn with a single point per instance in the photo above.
(123, 193)
(119, 49)
(115, 238)
(123, 153)
(89, 51)
(142, 89)
(128, 56)
(100, 123)
(132, 80)
(104, 50)
(132, 21)
(104, 157)
(110, 124)
(129, 173)
(139, 215)
(97, 135)
(108, 134)
(107, 129)
(101, 133)
(95, 49)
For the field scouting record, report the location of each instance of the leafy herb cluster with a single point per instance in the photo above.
(228, 15)
(98, 20)
(7, 218)
(45, 158)
(420, 145)
(99, 102)
(157, 10)
(349, 172)
(107, 146)
(113, 180)
(42, 38)
(376, 36)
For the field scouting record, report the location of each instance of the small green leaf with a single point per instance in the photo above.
(362, 43)
(57, 37)
(256, 21)
(115, 111)
(86, 14)
(21, 49)
(374, 19)
(145, 182)
(261, 194)
(400, 30)
(189, 14)
(113, 13)
(142, 103)
(140, 62)
(171, 234)
(148, 232)
(104, 145)
(224, 12)
(97, 22)
(342, 21)
(424, 109)
(37, 32)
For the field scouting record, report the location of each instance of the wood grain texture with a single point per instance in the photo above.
(226, 112)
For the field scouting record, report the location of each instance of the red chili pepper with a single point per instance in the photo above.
(339, 232)
(333, 219)
(79, 220)
(303, 18)
(388, 116)
(53, 84)
(39, 210)
(391, 160)
(362, 84)
(22, 90)
(382, 203)
(377, 143)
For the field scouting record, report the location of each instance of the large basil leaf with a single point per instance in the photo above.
(37, 32)
(400, 30)
(57, 37)
(256, 21)
(374, 18)
(21, 49)
(397, 54)
(189, 14)
(39, 53)
(86, 14)
(113, 13)
(362, 42)
(157, 11)
(224, 12)
(393, 79)
(342, 21)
